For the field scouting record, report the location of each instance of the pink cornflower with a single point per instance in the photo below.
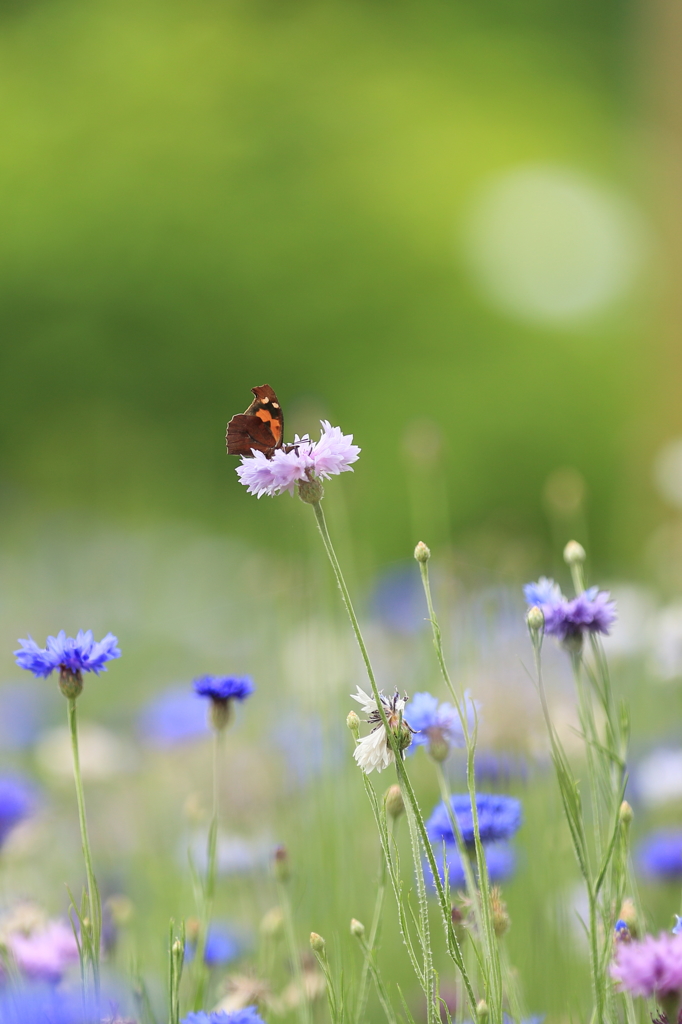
(304, 460)
(652, 967)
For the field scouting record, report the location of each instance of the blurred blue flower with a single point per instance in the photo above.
(499, 817)
(38, 1004)
(499, 858)
(544, 592)
(248, 1016)
(677, 928)
(436, 723)
(224, 687)
(309, 747)
(222, 946)
(83, 654)
(493, 766)
(660, 855)
(46, 953)
(17, 801)
(398, 600)
(174, 716)
(22, 714)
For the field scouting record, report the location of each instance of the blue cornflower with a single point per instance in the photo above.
(222, 691)
(41, 1004)
(17, 801)
(248, 1016)
(435, 725)
(544, 592)
(222, 946)
(174, 716)
(499, 817)
(83, 654)
(224, 687)
(499, 858)
(660, 855)
(622, 931)
(500, 767)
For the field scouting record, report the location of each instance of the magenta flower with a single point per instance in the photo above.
(46, 953)
(304, 460)
(652, 967)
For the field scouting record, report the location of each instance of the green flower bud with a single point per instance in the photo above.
(574, 553)
(70, 683)
(393, 801)
(421, 552)
(281, 864)
(357, 928)
(535, 619)
(625, 813)
(317, 943)
(353, 723)
(482, 1012)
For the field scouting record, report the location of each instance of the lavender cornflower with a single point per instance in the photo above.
(71, 657)
(17, 801)
(46, 953)
(375, 751)
(652, 967)
(660, 855)
(222, 691)
(437, 726)
(590, 612)
(499, 817)
(248, 1016)
(303, 462)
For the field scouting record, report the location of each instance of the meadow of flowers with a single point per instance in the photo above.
(443, 799)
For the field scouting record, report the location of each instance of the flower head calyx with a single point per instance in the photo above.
(71, 656)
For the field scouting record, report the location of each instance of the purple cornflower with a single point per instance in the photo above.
(499, 817)
(660, 855)
(41, 1004)
(83, 654)
(17, 801)
(499, 858)
(435, 725)
(224, 687)
(593, 611)
(652, 967)
(45, 954)
(222, 691)
(248, 1016)
(306, 460)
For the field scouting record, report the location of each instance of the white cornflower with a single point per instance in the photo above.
(375, 751)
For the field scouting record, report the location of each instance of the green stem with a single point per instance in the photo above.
(201, 970)
(303, 1006)
(453, 945)
(94, 907)
(372, 941)
(378, 982)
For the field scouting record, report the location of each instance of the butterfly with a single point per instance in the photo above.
(261, 427)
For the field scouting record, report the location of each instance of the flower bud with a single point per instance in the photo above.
(219, 713)
(281, 864)
(272, 923)
(357, 928)
(535, 619)
(393, 801)
(310, 490)
(70, 683)
(421, 552)
(574, 553)
(626, 813)
(438, 747)
(317, 943)
(501, 919)
(621, 932)
(482, 1012)
(403, 734)
(353, 723)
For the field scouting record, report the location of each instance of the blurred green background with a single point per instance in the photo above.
(439, 224)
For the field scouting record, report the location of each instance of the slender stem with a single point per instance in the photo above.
(303, 1005)
(452, 942)
(378, 981)
(201, 969)
(94, 908)
(373, 939)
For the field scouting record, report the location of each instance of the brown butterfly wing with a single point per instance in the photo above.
(260, 427)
